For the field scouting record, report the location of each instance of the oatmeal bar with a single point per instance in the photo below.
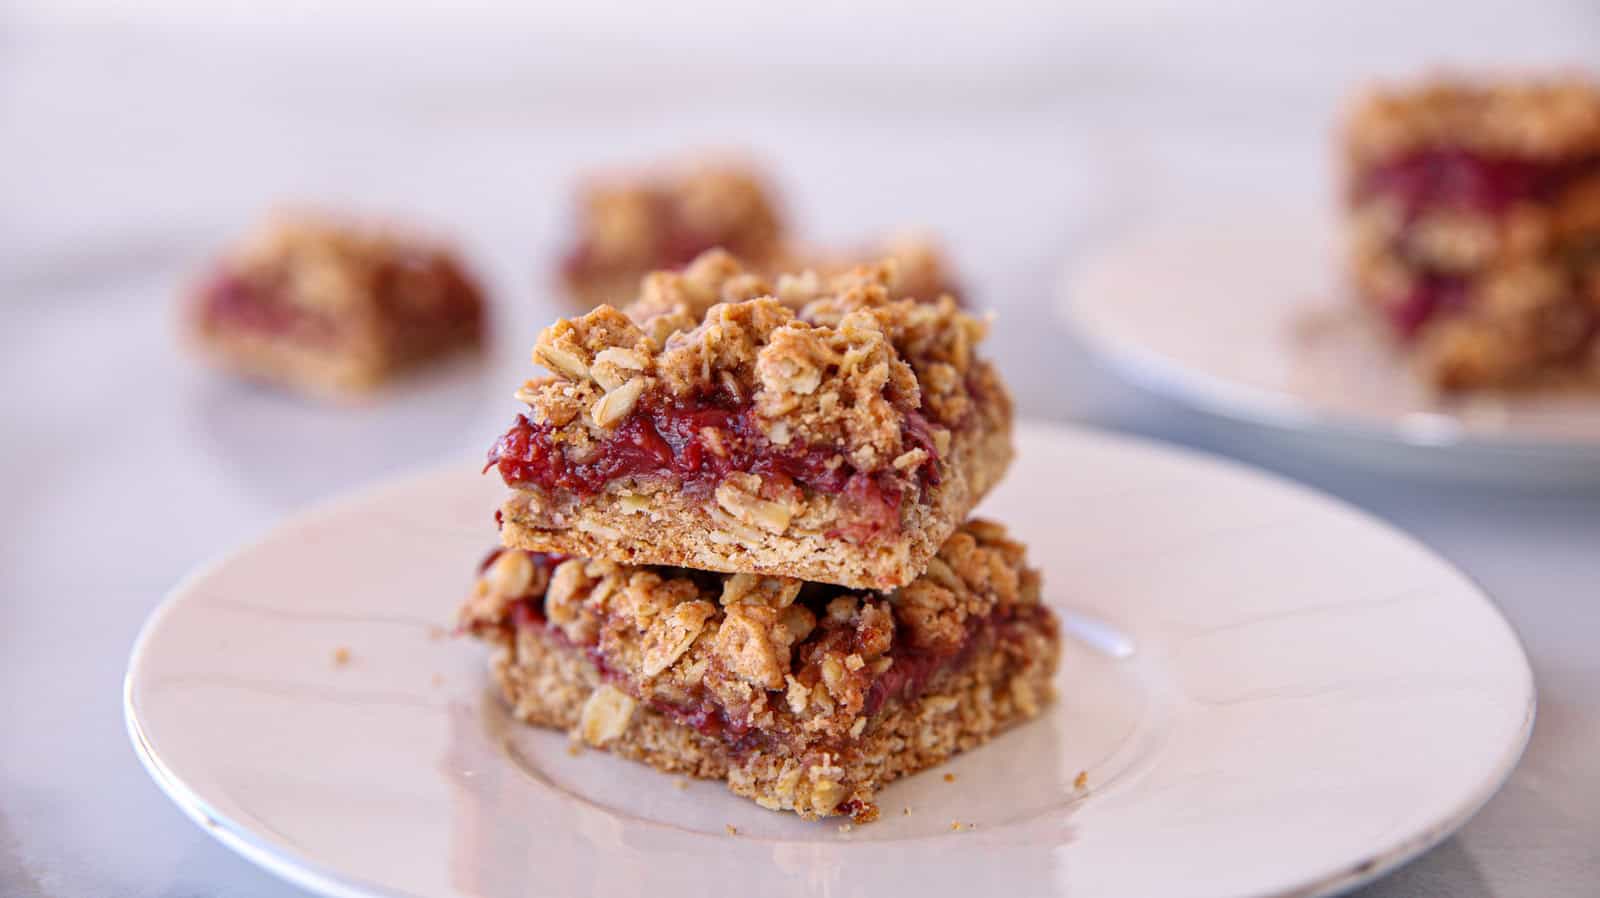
(629, 226)
(802, 696)
(331, 307)
(716, 428)
(1474, 226)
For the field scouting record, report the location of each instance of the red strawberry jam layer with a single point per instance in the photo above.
(1459, 179)
(235, 302)
(1432, 296)
(905, 681)
(706, 717)
(416, 298)
(699, 443)
(913, 668)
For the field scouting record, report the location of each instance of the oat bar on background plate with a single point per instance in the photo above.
(1474, 227)
(329, 306)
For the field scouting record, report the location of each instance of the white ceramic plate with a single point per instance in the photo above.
(1271, 693)
(1248, 319)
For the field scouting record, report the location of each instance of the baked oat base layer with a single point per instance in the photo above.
(550, 685)
(667, 527)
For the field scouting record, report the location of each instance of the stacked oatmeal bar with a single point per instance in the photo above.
(1474, 220)
(738, 544)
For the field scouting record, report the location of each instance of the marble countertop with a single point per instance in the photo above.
(131, 153)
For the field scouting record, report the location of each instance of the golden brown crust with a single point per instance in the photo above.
(331, 306)
(1541, 118)
(800, 673)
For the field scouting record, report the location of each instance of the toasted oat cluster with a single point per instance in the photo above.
(802, 696)
(329, 306)
(629, 226)
(1474, 227)
(817, 430)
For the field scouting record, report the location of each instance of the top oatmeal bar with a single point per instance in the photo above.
(823, 431)
(1541, 119)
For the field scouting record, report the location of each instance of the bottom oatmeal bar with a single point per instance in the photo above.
(802, 696)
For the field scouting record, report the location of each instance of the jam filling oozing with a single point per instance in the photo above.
(700, 443)
(1432, 296)
(707, 718)
(417, 297)
(913, 669)
(1464, 180)
(234, 301)
(1458, 179)
(906, 680)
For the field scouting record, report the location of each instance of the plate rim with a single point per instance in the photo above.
(1204, 391)
(286, 863)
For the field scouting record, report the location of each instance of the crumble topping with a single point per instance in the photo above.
(844, 369)
(1541, 119)
(741, 653)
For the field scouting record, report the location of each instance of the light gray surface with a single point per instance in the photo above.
(131, 152)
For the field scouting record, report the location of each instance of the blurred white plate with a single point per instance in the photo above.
(1248, 320)
(1271, 694)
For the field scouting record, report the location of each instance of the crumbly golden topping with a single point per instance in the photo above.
(640, 222)
(1547, 119)
(770, 653)
(835, 363)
